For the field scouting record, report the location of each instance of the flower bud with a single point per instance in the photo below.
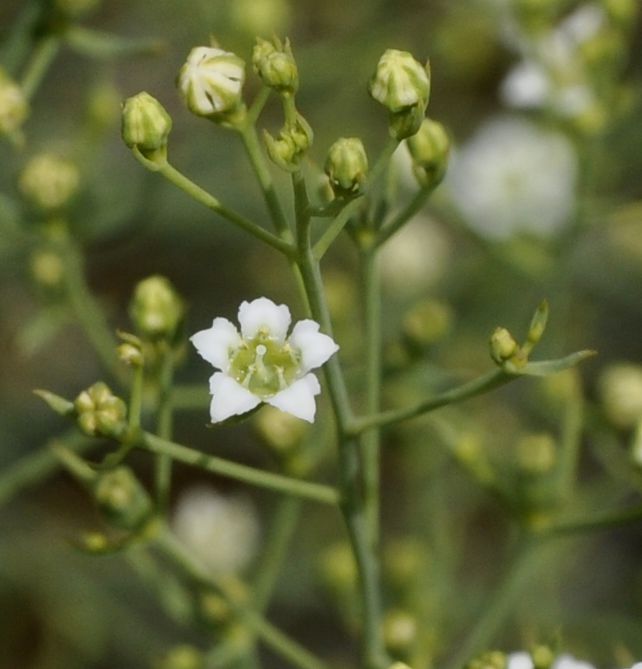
(182, 657)
(347, 166)
(502, 346)
(14, 107)
(260, 17)
(400, 81)
(621, 12)
(290, 146)
(156, 308)
(399, 631)
(146, 125)
(429, 148)
(490, 660)
(122, 498)
(537, 326)
(536, 454)
(211, 82)
(406, 123)
(426, 323)
(130, 354)
(338, 568)
(47, 268)
(281, 431)
(99, 412)
(275, 64)
(543, 657)
(620, 387)
(49, 181)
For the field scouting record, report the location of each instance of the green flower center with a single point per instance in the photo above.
(264, 366)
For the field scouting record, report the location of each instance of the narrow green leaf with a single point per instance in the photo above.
(103, 45)
(548, 367)
(59, 404)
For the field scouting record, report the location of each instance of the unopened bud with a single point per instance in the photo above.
(14, 107)
(122, 498)
(491, 660)
(536, 454)
(338, 568)
(211, 82)
(543, 657)
(49, 181)
(620, 388)
(130, 354)
(281, 431)
(100, 412)
(503, 346)
(537, 326)
(426, 323)
(291, 145)
(156, 308)
(275, 64)
(146, 126)
(621, 12)
(399, 631)
(347, 166)
(47, 268)
(182, 657)
(406, 123)
(429, 148)
(400, 81)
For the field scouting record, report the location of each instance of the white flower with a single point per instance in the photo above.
(569, 662)
(519, 660)
(262, 364)
(513, 177)
(523, 660)
(211, 81)
(222, 532)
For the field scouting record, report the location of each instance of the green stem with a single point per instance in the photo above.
(335, 228)
(18, 41)
(283, 484)
(164, 427)
(200, 195)
(31, 469)
(571, 438)
(271, 636)
(370, 439)
(414, 206)
(253, 150)
(136, 398)
(478, 386)
(258, 103)
(608, 521)
(37, 67)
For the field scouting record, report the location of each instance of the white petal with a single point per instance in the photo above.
(216, 343)
(519, 660)
(229, 398)
(315, 347)
(263, 313)
(298, 399)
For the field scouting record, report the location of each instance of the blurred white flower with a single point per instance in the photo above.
(260, 364)
(519, 660)
(569, 662)
(513, 177)
(523, 660)
(222, 532)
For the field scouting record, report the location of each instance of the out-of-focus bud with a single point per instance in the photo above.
(156, 308)
(621, 12)
(260, 17)
(291, 145)
(274, 62)
(426, 323)
(104, 105)
(76, 8)
(543, 657)
(100, 412)
(130, 354)
(399, 665)
(491, 660)
(146, 126)
(14, 107)
(47, 268)
(503, 346)
(400, 81)
(347, 166)
(211, 83)
(404, 561)
(338, 568)
(122, 498)
(429, 148)
(620, 388)
(399, 631)
(537, 326)
(281, 431)
(49, 181)
(536, 454)
(182, 657)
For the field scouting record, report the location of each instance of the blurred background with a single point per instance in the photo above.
(543, 199)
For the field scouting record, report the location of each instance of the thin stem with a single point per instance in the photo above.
(136, 398)
(608, 521)
(257, 160)
(283, 484)
(258, 103)
(414, 206)
(31, 469)
(164, 426)
(202, 196)
(335, 228)
(571, 438)
(370, 439)
(382, 161)
(473, 388)
(37, 67)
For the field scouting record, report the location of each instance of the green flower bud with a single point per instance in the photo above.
(338, 568)
(404, 561)
(76, 8)
(429, 149)
(260, 17)
(399, 631)
(347, 166)
(47, 268)
(99, 412)
(130, 354)
(291, 145)
(211, 82)
(146, 126)
(156, 308)
(183, 657)
(49, 181)
(620, 388)
(491, 660)
(275, 64)
(503, 346)
(426, 323)
(281, 431)
(536, 454)
(123, 499)
(537, 326)
(14, 107)
(621, 12)
(543, 657)
(400, 81)
(406, 123)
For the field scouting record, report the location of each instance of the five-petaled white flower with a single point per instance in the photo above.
(262, 364)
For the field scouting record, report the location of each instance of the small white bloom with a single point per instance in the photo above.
(519, 660)
(222, 532)
(569, 662)
(513, 177)
(261, 364)
(211, 81)
(526, 86)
